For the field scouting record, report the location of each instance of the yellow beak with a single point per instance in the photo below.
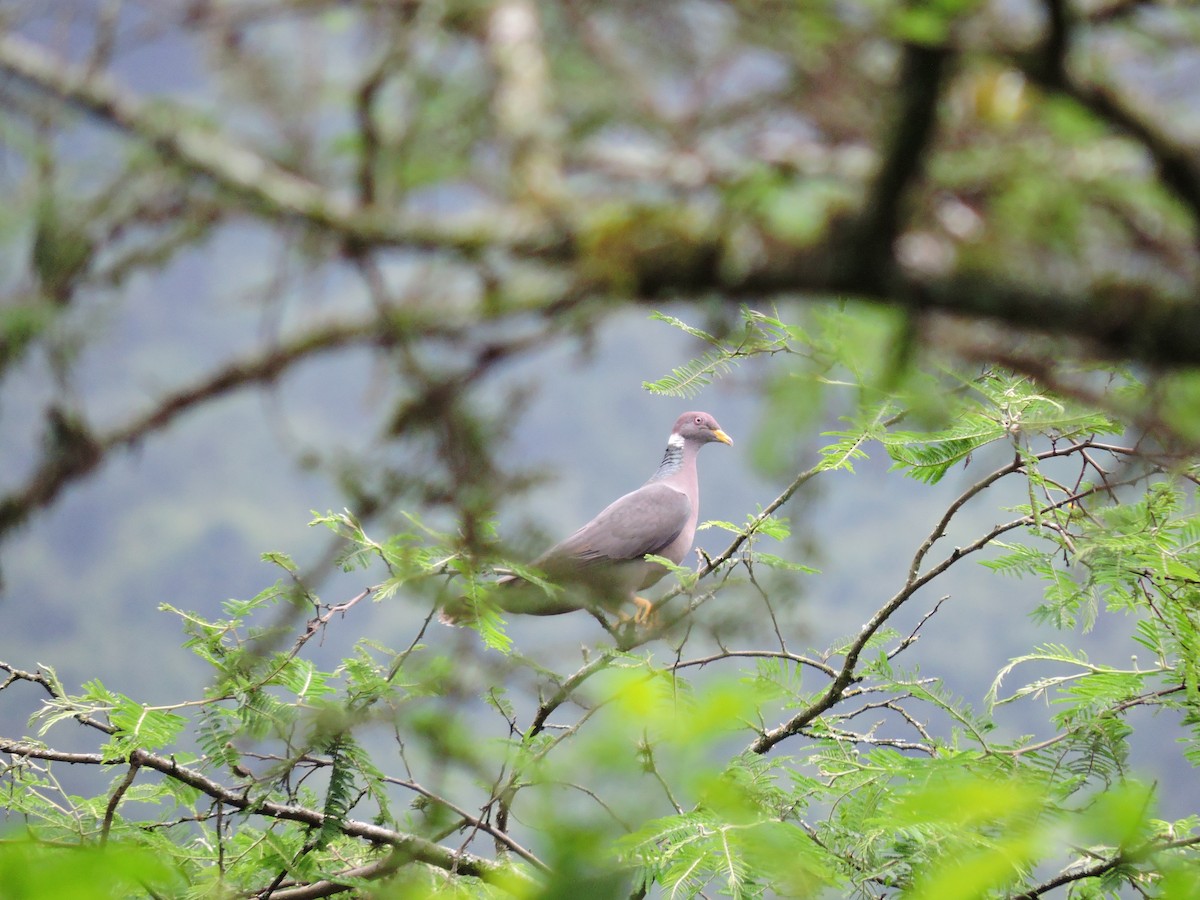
(723, 437)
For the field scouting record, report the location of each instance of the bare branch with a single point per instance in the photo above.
(916, 632)
(564, 692)
(824, 668)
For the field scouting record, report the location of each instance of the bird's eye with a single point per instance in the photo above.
(699, 420)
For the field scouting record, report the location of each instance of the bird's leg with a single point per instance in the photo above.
(645, 610)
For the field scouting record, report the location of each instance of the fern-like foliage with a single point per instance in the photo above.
(216, 732)
(1012, 409)
(339, 794)
(687, 380)
(927, 457)
(760, 334)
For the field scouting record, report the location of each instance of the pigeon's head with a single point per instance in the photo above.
(699, 428)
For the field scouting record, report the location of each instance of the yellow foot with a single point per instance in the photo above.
(645, 610)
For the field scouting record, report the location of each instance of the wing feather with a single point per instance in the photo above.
(644, 521)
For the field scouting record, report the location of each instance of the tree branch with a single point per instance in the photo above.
(474, 821)
(379, 868)
(74, 451)
(1048, 68)
(702, 661)
(114, 801)
(919, 83)
(521, 102)
(1163, 330)
(259, 183)
(834, 693)
(416, 848)
(1120, 858)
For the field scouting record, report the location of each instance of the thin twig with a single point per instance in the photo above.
(1120, 858)
(702, 661)
(114, 801)
(915, 581)
(501, 836)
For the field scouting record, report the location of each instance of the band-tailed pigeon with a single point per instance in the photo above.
(602, 565)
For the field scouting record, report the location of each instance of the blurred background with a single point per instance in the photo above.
(128, 281)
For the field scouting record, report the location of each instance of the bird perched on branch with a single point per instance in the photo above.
(603, 564)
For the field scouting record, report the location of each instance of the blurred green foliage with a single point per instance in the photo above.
(753, 771)
(753, 158)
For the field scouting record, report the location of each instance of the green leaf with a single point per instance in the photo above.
(802, 211)
(979, 873)
(778, 562)
(30, 870)
(760, 334)
(339, 792)
(282, 560)
(927, 457)
(1118, 817)
(688, 380)
(956, 798)
(674, 322)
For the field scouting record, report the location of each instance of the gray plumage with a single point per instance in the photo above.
(602, 564)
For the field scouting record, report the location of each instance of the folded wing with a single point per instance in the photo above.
(647, 520)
